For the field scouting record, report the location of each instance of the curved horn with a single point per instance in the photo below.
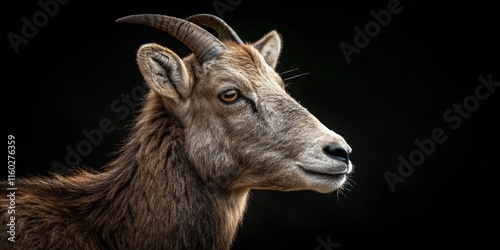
(202, 43)
(224, 31)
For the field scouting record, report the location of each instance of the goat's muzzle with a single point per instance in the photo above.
(338, 153)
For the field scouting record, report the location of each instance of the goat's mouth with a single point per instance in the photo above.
(323, 180)
(323, 174)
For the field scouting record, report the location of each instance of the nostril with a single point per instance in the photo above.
(337, 152)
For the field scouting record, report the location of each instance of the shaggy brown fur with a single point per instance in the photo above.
(182, 178)
(150, 197)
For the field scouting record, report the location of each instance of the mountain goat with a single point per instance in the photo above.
(215, 125)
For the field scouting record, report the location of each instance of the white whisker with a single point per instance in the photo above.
(295, 76)
(288, 71)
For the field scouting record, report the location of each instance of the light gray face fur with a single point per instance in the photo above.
(263, 139)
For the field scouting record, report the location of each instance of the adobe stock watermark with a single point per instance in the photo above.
(362, 38)
(326, 245)
(94, 137)
(224, 6)
(11, 189)
(453, 116)
(31, 26)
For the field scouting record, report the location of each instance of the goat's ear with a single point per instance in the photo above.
(269, 47)
(165, 73)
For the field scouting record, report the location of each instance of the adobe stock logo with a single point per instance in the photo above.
(453, 116)
(326, 245)
(31, 26)
(362, 38)
(92, 138)
(224, 6)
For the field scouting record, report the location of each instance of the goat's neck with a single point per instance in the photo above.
(159, 193)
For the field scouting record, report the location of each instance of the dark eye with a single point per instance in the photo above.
(229, 95)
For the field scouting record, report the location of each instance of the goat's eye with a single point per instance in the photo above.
(229, 95)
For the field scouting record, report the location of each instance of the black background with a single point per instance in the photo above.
(395, 91)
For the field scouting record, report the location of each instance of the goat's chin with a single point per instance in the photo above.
(325, 183)
(319, 183)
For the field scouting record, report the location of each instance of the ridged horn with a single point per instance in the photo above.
(224, 31)
(202, 43)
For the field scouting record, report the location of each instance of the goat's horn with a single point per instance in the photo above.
(202, 43)
(224, 31)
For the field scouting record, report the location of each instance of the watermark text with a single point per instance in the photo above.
(31, 26)
(362, 37)
(453, 116)
(11, 188)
